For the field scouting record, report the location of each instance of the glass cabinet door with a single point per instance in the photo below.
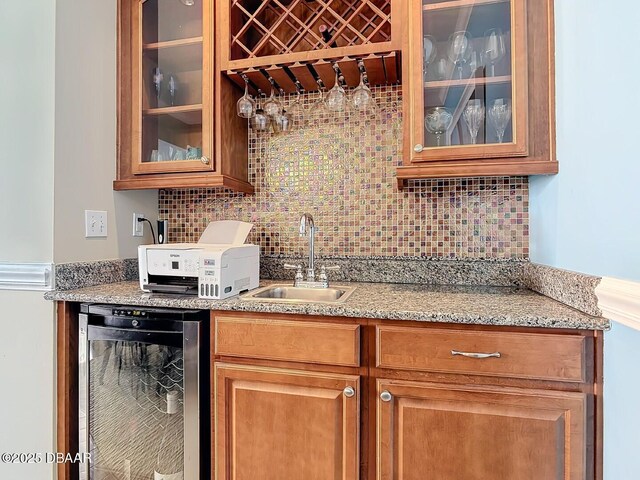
(469, 79)
(174, 85)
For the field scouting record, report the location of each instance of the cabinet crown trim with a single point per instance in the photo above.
(619, 301)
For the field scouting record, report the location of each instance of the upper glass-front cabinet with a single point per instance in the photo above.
(469, 79)
(173, 81)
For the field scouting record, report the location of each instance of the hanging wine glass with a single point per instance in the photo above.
(272, 106)
(494, 48)
(437, 121)
(282, 122)
(260, 120)
(429, 52)
(459, 50)
(362, 97)
(473, 115)
(246, 106)
(296, 112)
(336, 100)
(499, 115)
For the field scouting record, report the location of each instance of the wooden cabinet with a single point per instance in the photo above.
(274, 423)
(324, 397)
(177, 125)
(479, 89)
(448, 432)
(287, 398)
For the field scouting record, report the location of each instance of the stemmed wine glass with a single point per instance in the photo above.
(499, 115)
(361, 97)
(260, 120)
(494, 48)
(296, 111)
(459, 50)
(246, 106)
(173, 86)
(437, 121)
(473, 115)
(429, 52)
(336, 99)
(272, 106)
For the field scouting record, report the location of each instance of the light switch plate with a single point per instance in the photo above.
(95, 223)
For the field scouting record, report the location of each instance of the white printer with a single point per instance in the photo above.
(220, 265)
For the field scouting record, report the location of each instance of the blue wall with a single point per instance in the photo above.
(587, 218)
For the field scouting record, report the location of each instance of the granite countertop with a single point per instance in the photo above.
(477, 305)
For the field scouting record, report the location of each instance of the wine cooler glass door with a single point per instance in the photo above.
(132, 404)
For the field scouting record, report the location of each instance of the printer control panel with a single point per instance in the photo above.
(209, 278)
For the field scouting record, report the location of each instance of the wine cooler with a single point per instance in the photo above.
(144, 393)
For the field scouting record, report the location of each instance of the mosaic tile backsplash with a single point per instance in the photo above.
(341, 169)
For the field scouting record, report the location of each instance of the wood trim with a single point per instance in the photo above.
(67, 436)
(459, 3)
(184, 181)
(309, 56)
(491, 168)
(619, 301)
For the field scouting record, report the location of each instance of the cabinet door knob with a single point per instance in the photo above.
(205, 160)
(418, 148)
(386, 396)
(349, 392)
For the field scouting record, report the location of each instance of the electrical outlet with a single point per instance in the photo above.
(95, 223)
(138, 227)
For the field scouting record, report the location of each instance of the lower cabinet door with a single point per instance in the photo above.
(275, 424)
(449, 432)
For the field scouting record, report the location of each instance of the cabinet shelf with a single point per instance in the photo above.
(187, 114)
(459, 4)
(173, 43)
(467, 81)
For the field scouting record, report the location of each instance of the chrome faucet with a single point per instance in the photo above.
(307, 227)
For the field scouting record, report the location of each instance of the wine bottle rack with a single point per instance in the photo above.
(280, 40)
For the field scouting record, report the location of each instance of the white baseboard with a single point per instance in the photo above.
(619, 301)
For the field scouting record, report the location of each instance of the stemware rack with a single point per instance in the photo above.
(279, 42)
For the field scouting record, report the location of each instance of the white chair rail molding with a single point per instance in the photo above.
(619, 301)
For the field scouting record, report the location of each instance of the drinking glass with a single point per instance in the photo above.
(282, 122)
(437, 121)
(459, 50)
(157, 83)
(246, 106)
(336, 100)
(272, 106)
(318, 109)
(361, 97)
(494, 48)
(473, 115)
(499, 114)
(441, 69)
(155, 155)
(429, 52)
(172, 89)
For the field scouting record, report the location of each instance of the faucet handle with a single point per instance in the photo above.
(298, 268)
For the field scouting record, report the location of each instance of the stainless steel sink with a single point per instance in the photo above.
(291, 294)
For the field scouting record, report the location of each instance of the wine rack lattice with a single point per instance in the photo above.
(280, 27)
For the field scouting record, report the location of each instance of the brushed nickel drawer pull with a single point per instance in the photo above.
(476, 355)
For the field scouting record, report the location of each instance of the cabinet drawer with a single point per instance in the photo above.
(289, 340)
(519, 355)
